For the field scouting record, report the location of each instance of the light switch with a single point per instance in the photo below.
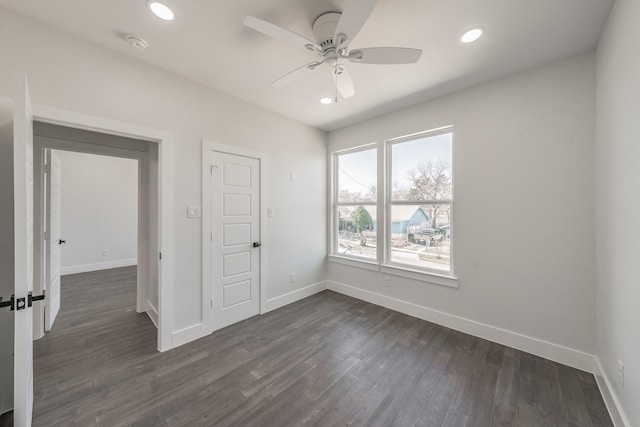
(292, 177)
(194, 212)
(269, 212)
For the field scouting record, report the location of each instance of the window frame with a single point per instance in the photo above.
(382, 262)
(336, 204)
(389, 203)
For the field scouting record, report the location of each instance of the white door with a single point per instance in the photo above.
(53, 219)
(235, 240)
(23, 252)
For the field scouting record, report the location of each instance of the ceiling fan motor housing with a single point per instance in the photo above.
(324, 28)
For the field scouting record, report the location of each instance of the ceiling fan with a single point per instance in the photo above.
(333, 32)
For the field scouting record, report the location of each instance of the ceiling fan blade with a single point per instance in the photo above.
(354, 16)
(280, 33)
(385, 55)
(296, 74)
(343, 82)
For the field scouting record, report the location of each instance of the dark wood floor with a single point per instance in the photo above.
(326, 360)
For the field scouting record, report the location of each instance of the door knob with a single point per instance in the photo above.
(62, 242)
(257, 244)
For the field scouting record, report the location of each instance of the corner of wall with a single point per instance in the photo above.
(298, 294)
(616, 412)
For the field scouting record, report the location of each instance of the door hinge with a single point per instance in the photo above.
(212, 236)
(212, 303)
(160, 255)
(213, 167)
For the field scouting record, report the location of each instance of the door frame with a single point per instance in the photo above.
(165, 141)
(207, 274)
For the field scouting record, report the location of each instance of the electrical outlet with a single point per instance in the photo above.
(105, 252)
(292, 177)
(292, 277)
(620, 372)
(387, 281)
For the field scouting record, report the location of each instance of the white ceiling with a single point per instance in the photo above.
(208, 43)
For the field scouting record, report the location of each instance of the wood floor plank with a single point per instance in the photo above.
(553, 409)
(458, 412)
(483, 401)
(336, 394)
(505, 412)
(573, 397)
(529, 402)
(595, 403)
(442, 397)
(326, 360)
(426, 384)
(336, 415)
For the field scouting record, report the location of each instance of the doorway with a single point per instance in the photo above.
(49, 137)
(90, 220)
(163, 180)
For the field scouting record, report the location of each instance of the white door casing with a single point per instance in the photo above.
(235, 224)
(23, 252)
(53, 222)
(165, 177)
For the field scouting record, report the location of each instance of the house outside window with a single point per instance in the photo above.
(416, 203)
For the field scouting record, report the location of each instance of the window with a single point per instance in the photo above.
(416, 202)
(356, 203)
(421, 195)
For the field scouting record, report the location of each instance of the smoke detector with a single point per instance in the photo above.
(136, 41)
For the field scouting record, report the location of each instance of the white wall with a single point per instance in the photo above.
(69, 73)
(524, 194)
(99, 211)
(618, 204)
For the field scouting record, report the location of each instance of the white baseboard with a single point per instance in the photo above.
(558, 353)
(293, 296)
(153, 313)
(609, 396)
(188, 334)
(84, 268)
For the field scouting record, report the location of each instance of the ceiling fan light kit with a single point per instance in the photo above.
(333, 31)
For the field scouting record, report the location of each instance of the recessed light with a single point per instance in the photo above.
(162, 11)
(472, 35)
(326, 100)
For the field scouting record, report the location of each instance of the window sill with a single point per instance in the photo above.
(422, 276)
(354, 262)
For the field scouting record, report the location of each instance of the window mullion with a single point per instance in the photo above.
(334, 199)
(419, 202)
(384, 196)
